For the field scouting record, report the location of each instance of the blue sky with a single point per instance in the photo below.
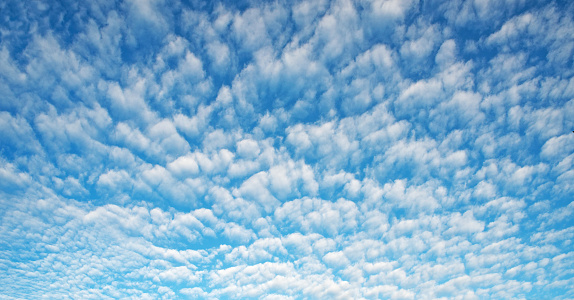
(378, 149)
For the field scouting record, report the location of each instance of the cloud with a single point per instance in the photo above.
(315, 215)
(312, 149)
(18, 134)
(11, 177)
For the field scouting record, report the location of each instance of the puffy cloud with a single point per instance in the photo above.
(315, 215)
(316, 149)
(17, 134)
(184, 166)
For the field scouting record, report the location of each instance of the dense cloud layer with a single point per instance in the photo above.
(285, 150)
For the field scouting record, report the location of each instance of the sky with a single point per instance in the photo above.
(385, 149)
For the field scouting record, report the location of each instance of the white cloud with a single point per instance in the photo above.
(447, 53)
(324, 150)
(391, 8)
(16, 132)
(248, 148)
(256, 189)
(8, 67)
(11, 177)
(511, 29)
(133, 137)
(184, 166)
(465, 223)
(559, 146)
(315, 215)
(420, 44)
(336, 259)
(168, 139)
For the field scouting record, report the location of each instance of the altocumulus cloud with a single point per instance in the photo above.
(287, 150)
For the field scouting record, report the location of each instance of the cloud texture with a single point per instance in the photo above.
(287, 150)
